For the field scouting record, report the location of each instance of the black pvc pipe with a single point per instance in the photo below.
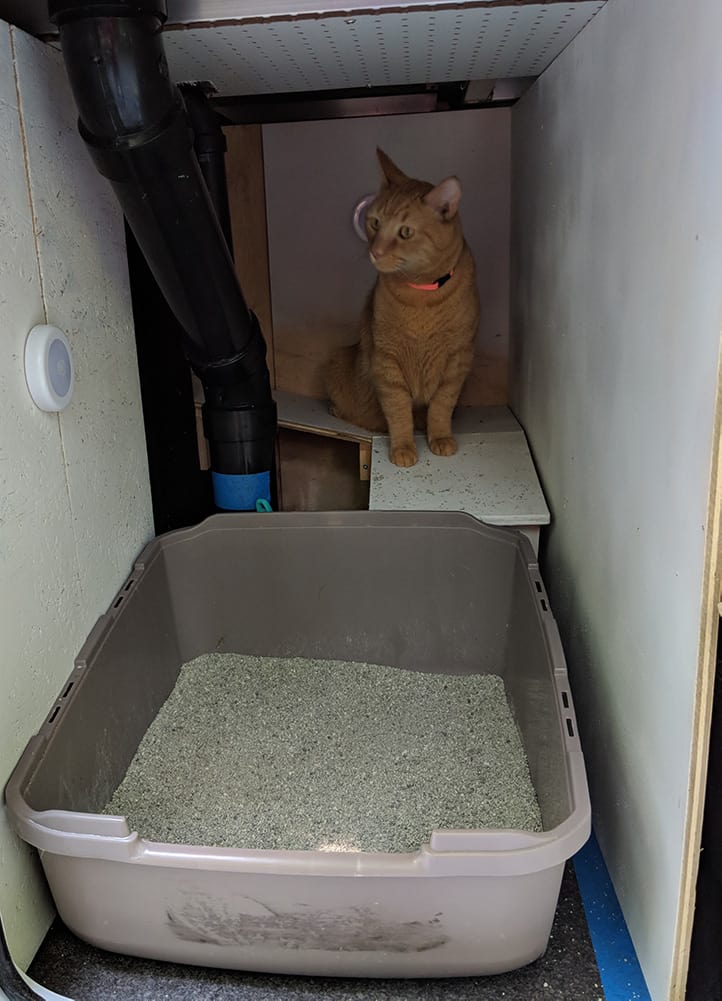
(209, 145)
(134, 122)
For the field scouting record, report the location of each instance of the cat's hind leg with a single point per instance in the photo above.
(351, 396)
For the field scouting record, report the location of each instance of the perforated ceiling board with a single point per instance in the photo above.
(392, 48)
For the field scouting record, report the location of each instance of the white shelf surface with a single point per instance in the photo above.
(492, 476)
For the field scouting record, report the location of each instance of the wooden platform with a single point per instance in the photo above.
(303, 413)
(492, 476)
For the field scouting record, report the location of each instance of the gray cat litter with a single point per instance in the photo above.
(273, 753)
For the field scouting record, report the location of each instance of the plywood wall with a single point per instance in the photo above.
(247, 204)
(617, 312)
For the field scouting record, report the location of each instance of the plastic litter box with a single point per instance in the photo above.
(410, 590)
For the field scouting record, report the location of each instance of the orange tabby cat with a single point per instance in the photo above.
(418, 326)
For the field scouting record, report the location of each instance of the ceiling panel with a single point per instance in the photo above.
(410, 46)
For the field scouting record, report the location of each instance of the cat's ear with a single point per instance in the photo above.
(445, 198)
(391, 172)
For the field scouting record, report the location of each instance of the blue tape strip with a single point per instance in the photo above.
(240, 492)
(619, 969)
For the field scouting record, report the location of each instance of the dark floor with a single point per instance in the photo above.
(568, 972)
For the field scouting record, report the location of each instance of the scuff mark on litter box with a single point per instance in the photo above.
(356, 929)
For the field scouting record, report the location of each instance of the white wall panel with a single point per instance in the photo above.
(74, 495)
(616, 318)
(38, 569)
(84, 273)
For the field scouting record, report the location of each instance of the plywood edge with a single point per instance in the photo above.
(706, 665)
(247, 203)
(229, 13)
(305, 413)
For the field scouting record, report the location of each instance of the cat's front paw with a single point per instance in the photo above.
(404, 455)
(443, 446)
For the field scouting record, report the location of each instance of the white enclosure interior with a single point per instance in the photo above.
(316, 172)
(615, 307)
(617, 311)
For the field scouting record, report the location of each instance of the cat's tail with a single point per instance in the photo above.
(350, 391)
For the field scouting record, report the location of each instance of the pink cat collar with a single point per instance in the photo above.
(434, 285)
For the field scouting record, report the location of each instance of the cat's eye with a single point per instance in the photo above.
(405, 232)
(373, 222)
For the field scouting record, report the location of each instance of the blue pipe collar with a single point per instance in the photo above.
(240, 492)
